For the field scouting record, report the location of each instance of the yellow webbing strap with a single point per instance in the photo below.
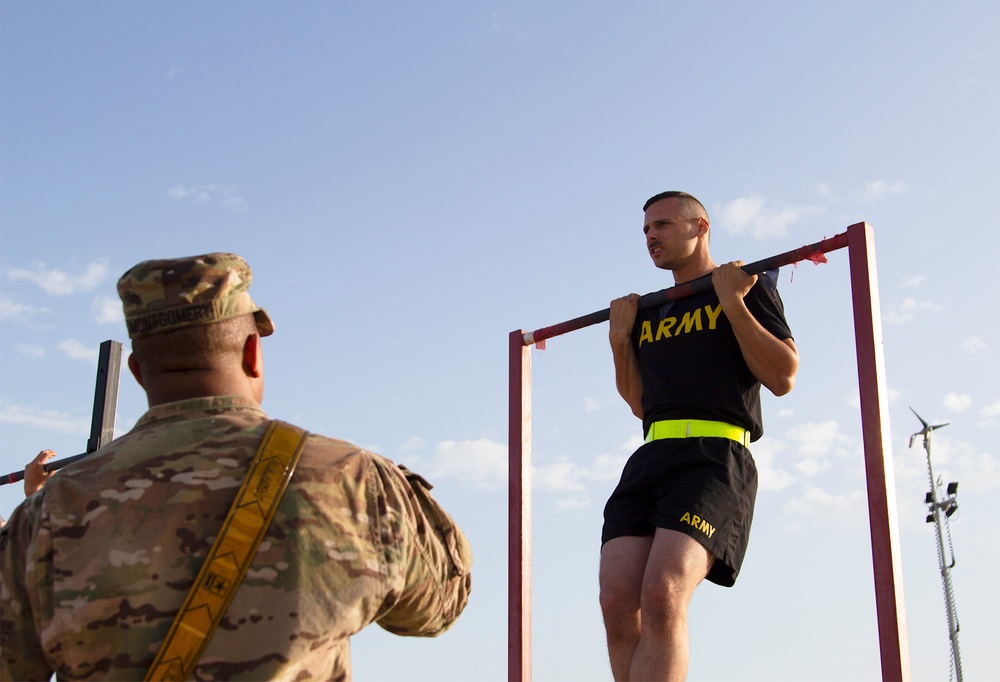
(696, 428)
(234, 548)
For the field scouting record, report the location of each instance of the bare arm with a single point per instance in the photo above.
(773, 361)
(627, 377)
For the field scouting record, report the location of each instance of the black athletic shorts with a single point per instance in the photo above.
(703, 487)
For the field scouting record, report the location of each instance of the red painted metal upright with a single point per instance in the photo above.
(889, 604)
(519, 512)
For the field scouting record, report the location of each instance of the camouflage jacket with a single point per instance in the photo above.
(96, 564)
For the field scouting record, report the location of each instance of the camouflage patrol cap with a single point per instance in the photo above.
(163, 295)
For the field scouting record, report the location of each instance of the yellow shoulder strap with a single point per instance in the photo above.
(228, 560)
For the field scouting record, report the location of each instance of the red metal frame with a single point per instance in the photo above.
(889, 603)
(519, 512)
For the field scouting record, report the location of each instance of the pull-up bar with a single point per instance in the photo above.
(889, 603)
(813, 252)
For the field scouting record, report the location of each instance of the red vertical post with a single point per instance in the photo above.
(519, 512)
(889, 603)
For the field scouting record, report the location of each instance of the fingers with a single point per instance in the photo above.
(731, 280)
(44, 456)
(622, 316)
(632, 300)
(625, 307)
(35, 474)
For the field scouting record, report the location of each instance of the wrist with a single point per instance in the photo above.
(620, 341)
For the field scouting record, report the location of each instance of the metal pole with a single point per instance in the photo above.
(109, 369)
(102, 422)
(519, 512)
(942, 564)
(889, 603)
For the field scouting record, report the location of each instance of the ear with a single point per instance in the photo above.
(253, 357)
(702, 225)
(136, 369)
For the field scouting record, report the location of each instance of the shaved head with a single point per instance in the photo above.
(691, 207)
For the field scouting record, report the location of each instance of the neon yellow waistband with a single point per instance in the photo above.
(696, 428)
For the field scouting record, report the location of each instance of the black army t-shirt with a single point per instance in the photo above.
(690, 361)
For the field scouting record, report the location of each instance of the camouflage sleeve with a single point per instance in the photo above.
(435, 578)
(24, 567)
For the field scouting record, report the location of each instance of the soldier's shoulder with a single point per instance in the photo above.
(318, 441)
(335, 454)
(326, 451)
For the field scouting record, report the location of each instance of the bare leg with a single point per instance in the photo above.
(623, 564)
(675, 566)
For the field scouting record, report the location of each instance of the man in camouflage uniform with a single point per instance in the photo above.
(97, 564)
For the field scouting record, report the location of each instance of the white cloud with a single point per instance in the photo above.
(222, 195)
(908, 310)
(817, 507)
(957, 403)
(752, 214)
(11, 309)
(31, 351)
(560, 476)
(413, 444)
(235, 203)
(811, 467)
(818, 440)
(912, 305)
(591, 405)
(47, 420)
(199, 196)
(75, 350)
(15, 311)
(877, 189)
(991, 414)
(568, 503)
(740, 213)
(609, 467)
(912, 281)
(958, 460)
(481, 463)
(978, 471)
(769, 476)
(107, 310)
(973, 345)
(818, 448)
(58, 283)
(570, 480)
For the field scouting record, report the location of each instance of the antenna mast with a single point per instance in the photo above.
(941, 508)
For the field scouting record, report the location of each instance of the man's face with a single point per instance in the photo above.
(671, 236)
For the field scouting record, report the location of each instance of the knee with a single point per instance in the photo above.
(618, 602)
(664, 602)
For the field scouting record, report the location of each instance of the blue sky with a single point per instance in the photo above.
(412, 182)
